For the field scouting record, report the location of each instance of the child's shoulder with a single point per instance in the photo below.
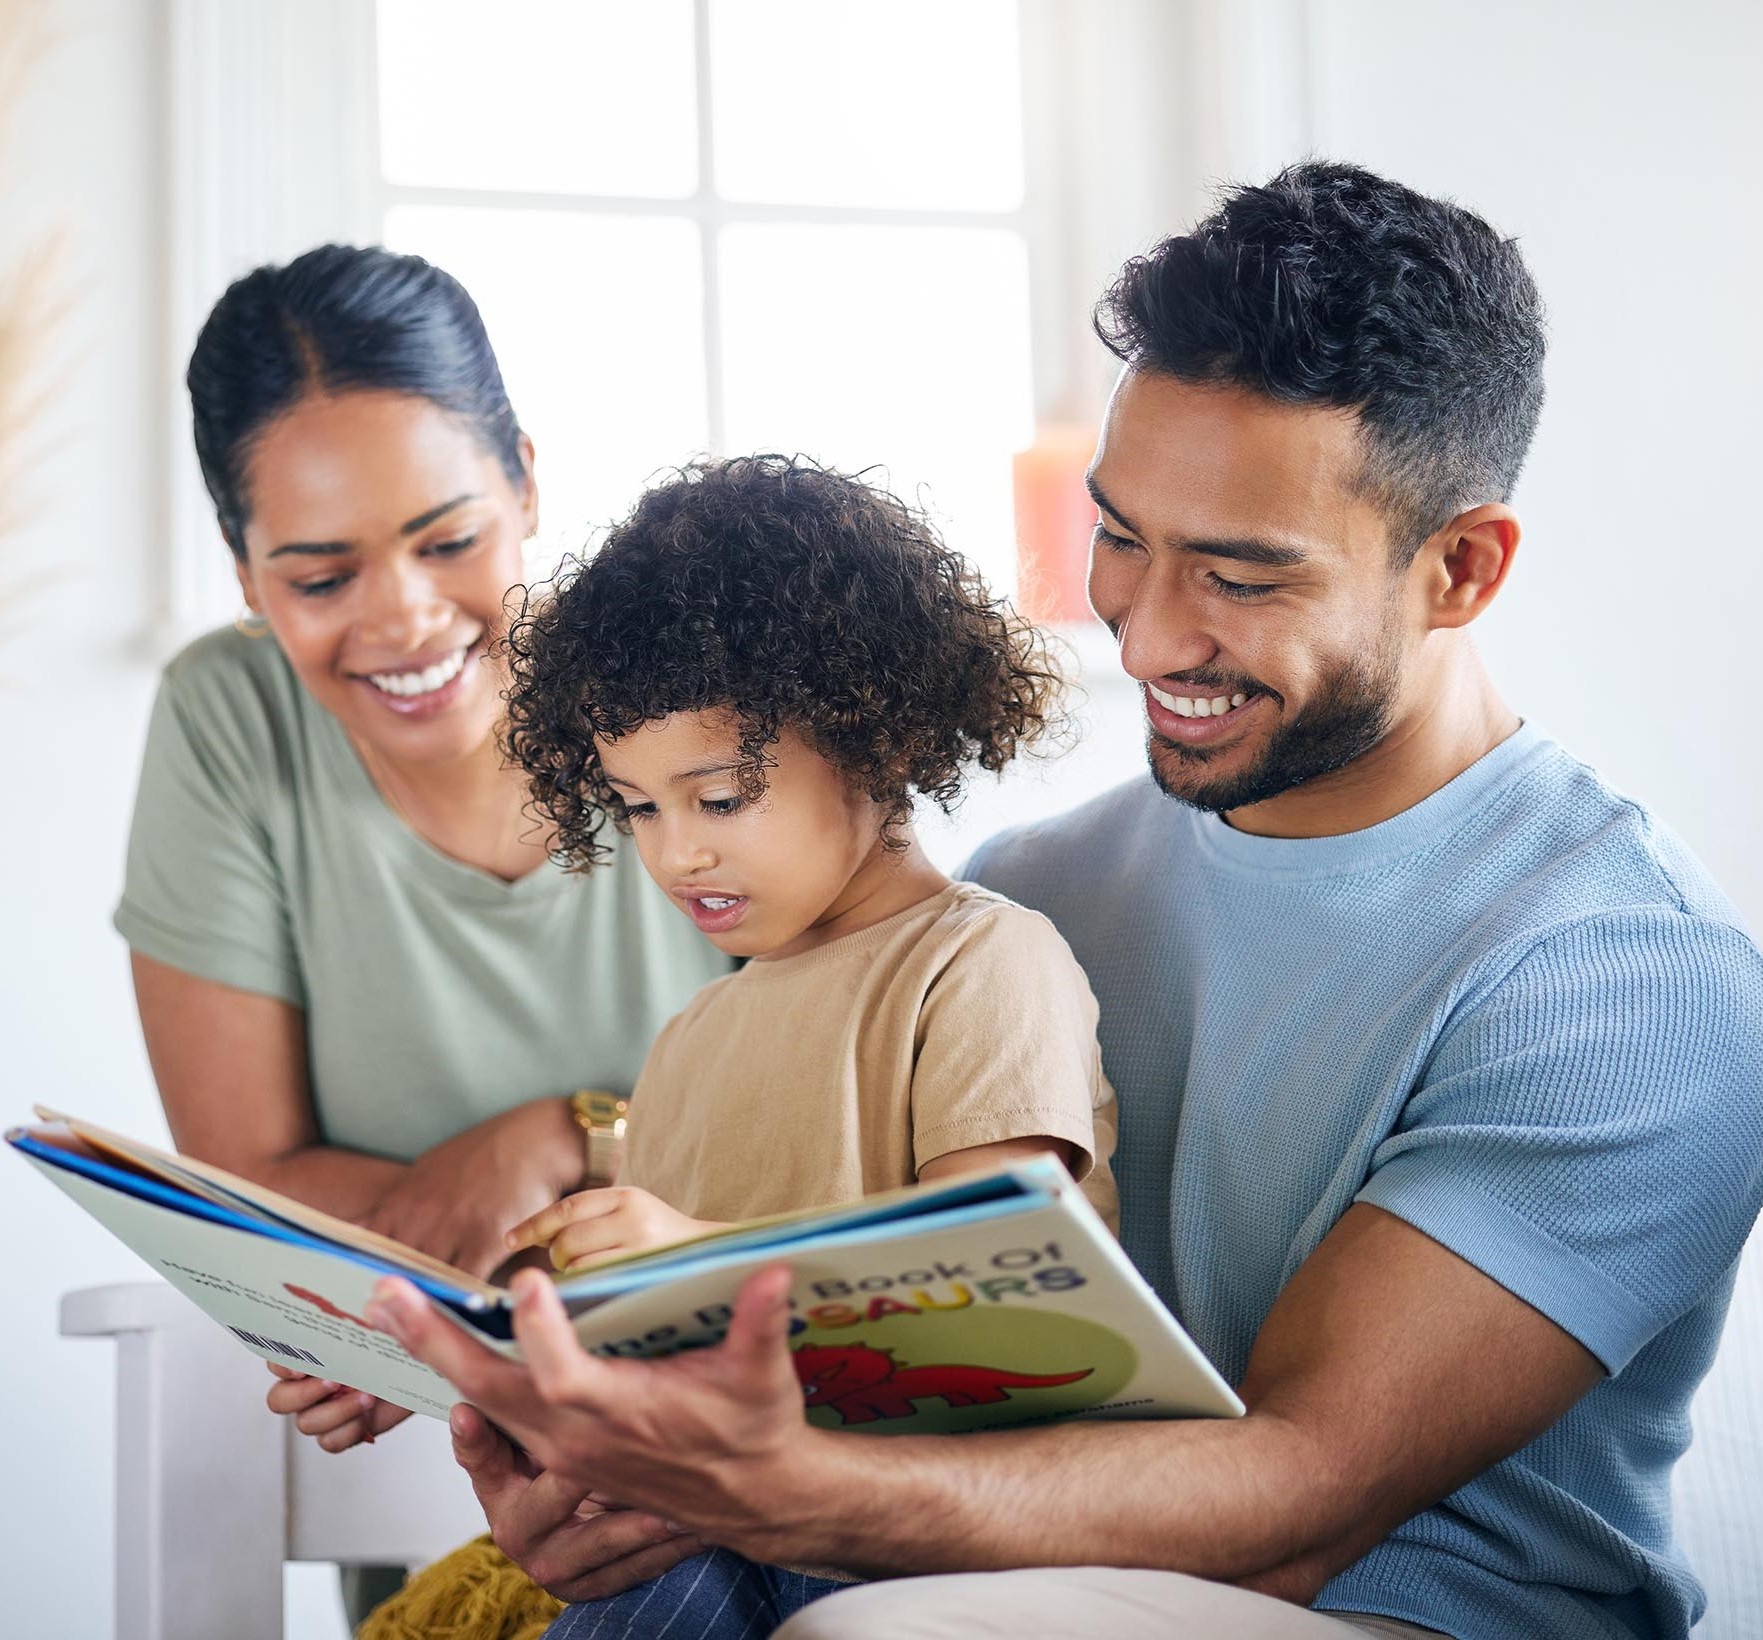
(992, 948)
(981, 917)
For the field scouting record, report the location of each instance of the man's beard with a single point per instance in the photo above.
(1350, 714)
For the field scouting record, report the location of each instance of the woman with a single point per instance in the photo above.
(360, 980)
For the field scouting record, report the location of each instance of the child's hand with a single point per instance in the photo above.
(594, 1223)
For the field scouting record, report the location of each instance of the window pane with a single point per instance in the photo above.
(548, 96)
(904, 347)
(598, 323)
(915, 104)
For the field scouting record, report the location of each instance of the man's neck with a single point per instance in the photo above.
(1460, 719)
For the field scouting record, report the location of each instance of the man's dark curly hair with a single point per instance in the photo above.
(1334, 286)
(793, 595)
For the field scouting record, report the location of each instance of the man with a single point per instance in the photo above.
(1440, 1065)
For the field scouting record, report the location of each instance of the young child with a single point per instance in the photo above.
(752, 677)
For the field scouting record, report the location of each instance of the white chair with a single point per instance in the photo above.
(213, 1494)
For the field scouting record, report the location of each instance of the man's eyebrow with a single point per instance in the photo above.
(330, 549)
(1268, 554)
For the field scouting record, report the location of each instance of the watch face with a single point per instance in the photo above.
(604, 1107)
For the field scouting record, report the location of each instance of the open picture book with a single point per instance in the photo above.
(989, 1299)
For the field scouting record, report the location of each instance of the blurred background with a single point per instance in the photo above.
(867, 231)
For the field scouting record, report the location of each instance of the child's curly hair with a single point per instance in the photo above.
(791, 594)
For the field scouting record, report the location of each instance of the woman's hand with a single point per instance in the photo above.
(595, 1224)
(455, 1201)
(335, 1416)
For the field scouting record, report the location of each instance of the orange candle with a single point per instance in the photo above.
(1054, 517)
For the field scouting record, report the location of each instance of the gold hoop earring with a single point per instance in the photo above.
(250, 623)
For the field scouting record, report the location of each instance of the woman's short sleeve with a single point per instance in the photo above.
(203, 891)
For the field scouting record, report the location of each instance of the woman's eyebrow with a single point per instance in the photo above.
(423, 520)
(708, 769)
(329, 549)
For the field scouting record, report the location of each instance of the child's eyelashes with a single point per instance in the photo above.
(637, 813)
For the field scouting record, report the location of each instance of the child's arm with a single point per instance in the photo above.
(593, 1224)
(978, 1157)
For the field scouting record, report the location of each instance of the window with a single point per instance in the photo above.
(730, 225)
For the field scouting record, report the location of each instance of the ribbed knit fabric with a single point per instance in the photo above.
(1519, 1016)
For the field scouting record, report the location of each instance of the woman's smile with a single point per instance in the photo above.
(382, 543)
(425, 687)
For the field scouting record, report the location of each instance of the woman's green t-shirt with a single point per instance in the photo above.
(263, 857)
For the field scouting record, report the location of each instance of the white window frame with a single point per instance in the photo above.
(272, 146)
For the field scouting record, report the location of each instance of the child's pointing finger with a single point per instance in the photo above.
(542, 1228)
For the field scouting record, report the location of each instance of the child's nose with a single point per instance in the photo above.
(687, 851)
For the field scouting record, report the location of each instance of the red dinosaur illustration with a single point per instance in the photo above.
(863, 1384)
(319, 1301)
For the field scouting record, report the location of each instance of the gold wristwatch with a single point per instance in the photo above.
(601, 1117)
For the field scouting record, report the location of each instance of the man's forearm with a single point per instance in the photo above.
(1232, 1500)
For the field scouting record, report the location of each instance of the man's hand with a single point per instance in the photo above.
(572, 1546)
(594, 1224)
(336, 1416)
(702, 1438)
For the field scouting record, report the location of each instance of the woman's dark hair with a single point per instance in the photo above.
(793, 595)
(1334, 286)
(339, 318)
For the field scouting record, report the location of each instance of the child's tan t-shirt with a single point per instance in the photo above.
(819, 1078)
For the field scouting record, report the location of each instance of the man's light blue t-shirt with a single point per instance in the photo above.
(1519, 1016)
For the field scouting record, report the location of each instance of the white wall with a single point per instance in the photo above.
(74, 691)
(1619, 140)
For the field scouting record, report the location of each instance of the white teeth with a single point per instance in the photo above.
(718, 905)
(425, 682)
(1195, 705)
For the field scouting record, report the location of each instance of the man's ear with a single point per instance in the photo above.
(1463, 566)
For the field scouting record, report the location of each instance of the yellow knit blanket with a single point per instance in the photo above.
(475, 1593)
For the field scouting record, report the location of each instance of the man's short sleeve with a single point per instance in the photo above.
(1007, 1048)
(203, 891)
(1589, 1128)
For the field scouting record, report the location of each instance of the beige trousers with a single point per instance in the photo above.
(1072, 1603)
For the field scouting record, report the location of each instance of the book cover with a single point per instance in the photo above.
(989, 1299)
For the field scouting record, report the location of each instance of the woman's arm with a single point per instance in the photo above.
(231, 1070)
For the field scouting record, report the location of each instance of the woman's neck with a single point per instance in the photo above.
(471, 808)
